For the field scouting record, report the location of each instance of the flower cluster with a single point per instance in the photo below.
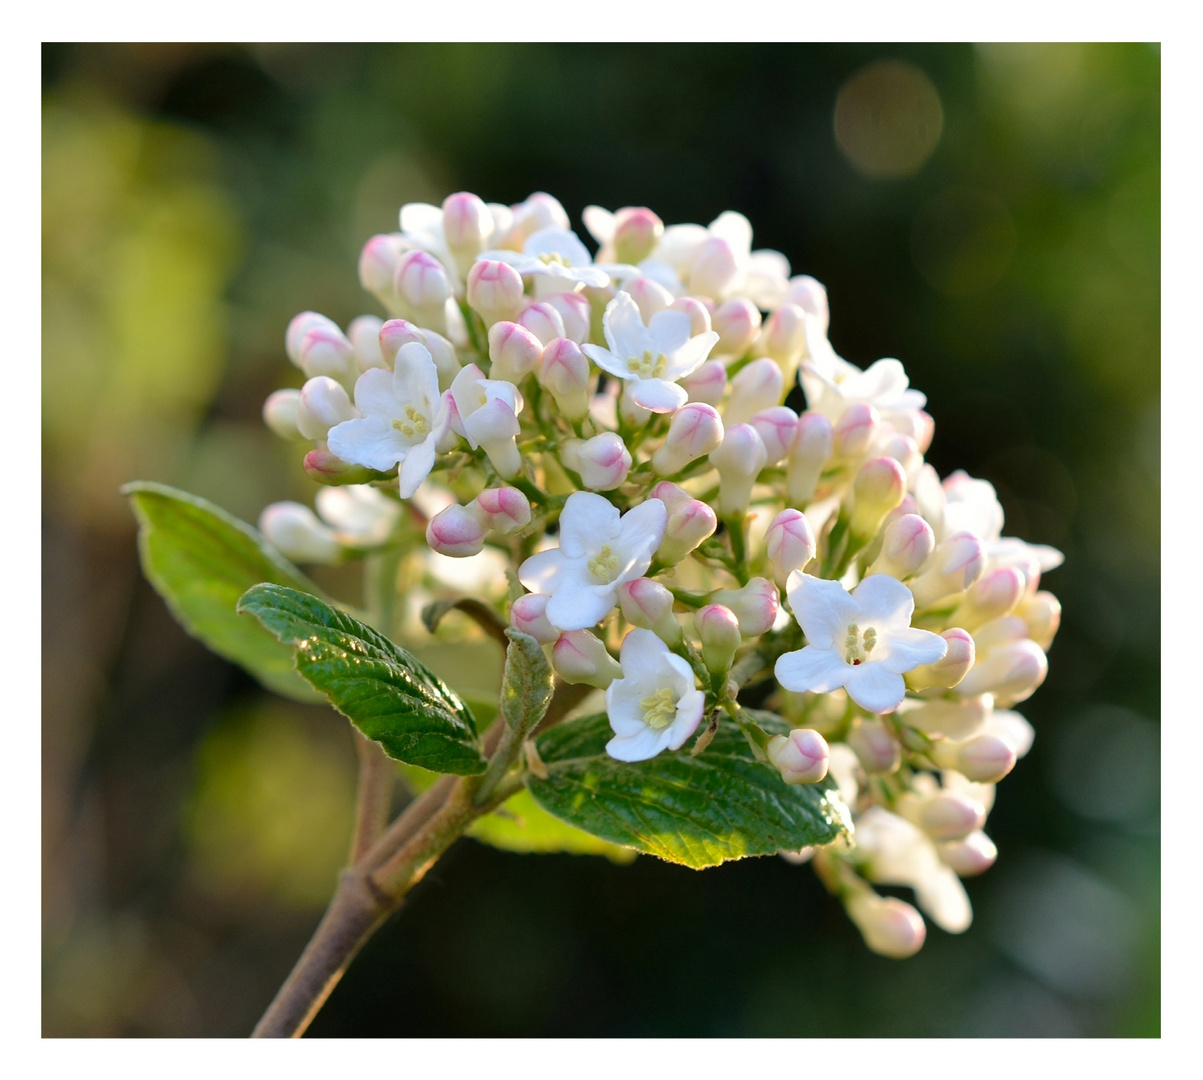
(661, 441)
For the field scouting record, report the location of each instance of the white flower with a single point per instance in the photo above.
(883, 384)
(554, 253)
(650, 358)
(485, 412)
(423, 226)
(655, 705)
(598, 552)
(401, 422)
(861, 641)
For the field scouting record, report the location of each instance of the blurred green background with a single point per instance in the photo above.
(989, 215)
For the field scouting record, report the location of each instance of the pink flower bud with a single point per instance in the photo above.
(648, 604)
(650, 297)
(467, 226)
(603, 462)
(528, 614)
(325, 468)
(879, 487)
(364, 333)
(280, 413)
(739, 460)
(1042, 613)
(777, 428)
(318, 347)
(755, 605)
(502, 509)
(633, 414)
(783, 338)
(564, 372)
(636, 232)
(708, 384)
(890, 927)
(690, 522)
(875, 747)
(854, 432)
(495, 291)
(998, 632)
(322, 404)
(378, 267)
(993, 595)
(713, 270)
(699, 314)
(544, 321)
(790, 543)
(575, 312)
(948, 671)
(810, 296)
(759, 386)
(456, 531)
(810, 453)
(970, 856)
(955, 565)
(580, 657)
(299, 535)
(737, 323)
(907, 543)
(423, 286)
(394, 334)
(923, 427)
(537, 211)
(801, 757)
(513, 350)
(718, 629)
(1010, 672)
(946, 815)
(985, 759)
(903, 450)
(694, 431)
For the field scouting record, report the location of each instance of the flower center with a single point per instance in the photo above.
(659, 709)
(413, 424)
(552, 258)
(604, 565)
(648, 366)
(857, 646)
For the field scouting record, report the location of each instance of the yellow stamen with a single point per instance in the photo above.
(648, 366)
(604, 565)
(659, 709)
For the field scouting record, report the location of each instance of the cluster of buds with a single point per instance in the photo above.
(703, 502)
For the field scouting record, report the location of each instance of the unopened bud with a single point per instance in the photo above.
(495, 291)
(1013, 729)
(321, 404)
(783, 338)
(690, 522)
(739, 460)
(1042, 613)
(812, 449)
(950, 669)
(998, 632)
(298, 533)
(632, 414)
(854, 432)
(903, 450)
(984, 758)
(602, 462)
(875, 746)
(755, 605)
(424, 288)
(513, 350)
(699, 314)
(378, 267)
(907, 543)
(364, 333)
(970, 856)
(737, 323)
(564, 372)
(502, 509)
(801, 757)
(946, 815)
(575, 313)
(718, 629)
(890, 927)
(777, 428)
(580, 657)
(528, 614)
(394, 334)
(789, 543)
(713, 270)
(648, 604)
(538, 211)
(280, 413)
(544, 321)
(993, 595)
(957, 719)
(759, 386)
(467, 227)
(955, 565)
(650, 297)
(1011, 672)
(318, 347)
(456, 531)
(708, 384)
(694, 431)
(879, 487)
(636, 232)
(327, 468)
(810, 296)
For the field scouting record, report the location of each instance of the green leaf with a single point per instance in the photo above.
(383, 690)
(201, 560)
(522, 825)
(527, 683)
(697, 811)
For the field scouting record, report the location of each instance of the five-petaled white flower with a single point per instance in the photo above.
(599, 551)
(403, 418)
(554, 253)
(650, 358)
(655, 705)
(861, 641)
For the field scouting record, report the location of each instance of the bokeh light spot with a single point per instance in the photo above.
(888, 119)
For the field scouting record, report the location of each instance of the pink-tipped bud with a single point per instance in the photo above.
(922, 428)
(708, 384)
(759, 386)
(694, 431)
(777, 428)
(423, 287)
(564, 372)
(737, 323)
(993, 595)
(537, 211)
(755, 605)
(879, 487)
(280, 414)
(810, 296)
(713, 270)
(890, 927)
(637, 231)
(529, 614)
(1011, 672)
(648, 604)
(690, 522)
(378, 267)
(801, 757)
(575, 313)
(467, 226)
(580, 657)
(298, 533)
(875, 746)
(544, 321)
(790, 543)
(698, 312)
(907, 543)
(948, 671)
(946, 815)
(322, 403)
(364, 333)
(326, 468)
(394, 334)
(456, 531)
(903, 450)
(973, 855)
(495, 291)
(718, 629)
(813, 444)
(650, 297)
(1042, 613)
(955, 565)
(783, 338)
(854, 432)
(318, 347)
(602, 462)
(513, 350)
(985, 759)
(502, 509)
(739, 460)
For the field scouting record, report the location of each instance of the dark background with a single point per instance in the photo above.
(196, 197)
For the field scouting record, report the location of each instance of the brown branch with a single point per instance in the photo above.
(375, 796)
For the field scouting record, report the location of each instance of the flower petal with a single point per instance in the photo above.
(669, 330)
(646, 744)
(623, 325)
(641, 533)
(689, 715)
(874, 688)
(823, 609)
(416, 467)
(587, 521)
(644, 659)
(885, 603)
(657, 395)
(812, 668)
(690, 356)
(375, 394)
(903, 650)
(577, 606)
(369, 441)
(608, 361)
(544, 570)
